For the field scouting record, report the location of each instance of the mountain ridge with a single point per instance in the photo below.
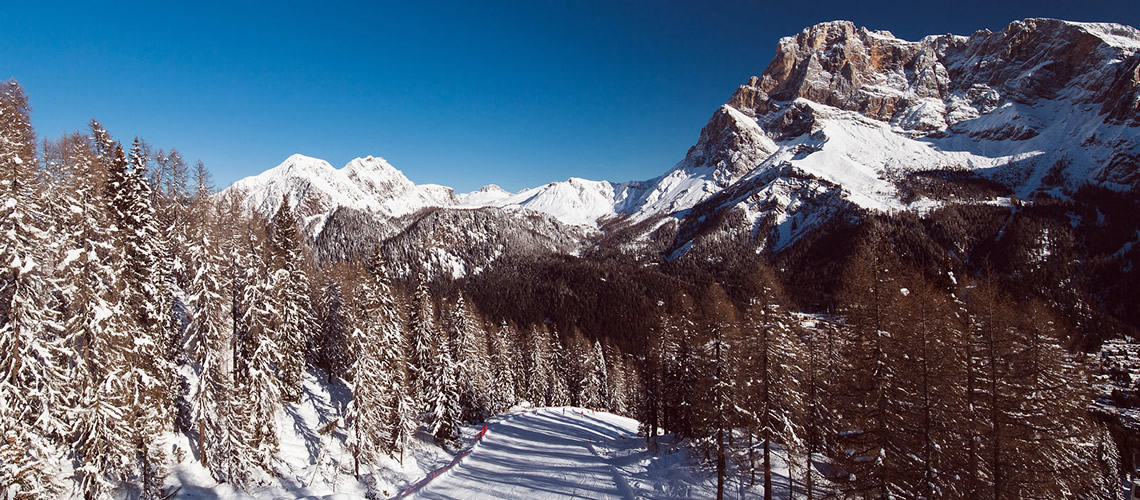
(840, 118)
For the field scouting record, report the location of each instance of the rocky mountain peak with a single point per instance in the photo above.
(928, 85)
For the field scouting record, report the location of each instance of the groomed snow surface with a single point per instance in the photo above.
(546, 453)
(566, 452)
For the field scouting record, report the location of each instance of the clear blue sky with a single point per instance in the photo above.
(462, 94)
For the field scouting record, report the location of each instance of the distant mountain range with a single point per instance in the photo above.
(843, 119)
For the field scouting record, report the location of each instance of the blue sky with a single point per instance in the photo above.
(461, 94)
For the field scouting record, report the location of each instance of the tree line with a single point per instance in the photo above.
(917, 387)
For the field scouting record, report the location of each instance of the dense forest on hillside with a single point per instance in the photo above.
(885, 355)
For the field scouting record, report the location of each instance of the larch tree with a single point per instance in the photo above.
(870, 294)
(98, 325)
(769, 360)
(721, 396)
(31, 369)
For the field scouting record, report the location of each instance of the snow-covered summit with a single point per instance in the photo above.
(313, 187)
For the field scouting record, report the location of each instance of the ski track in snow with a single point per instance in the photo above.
(546, 453)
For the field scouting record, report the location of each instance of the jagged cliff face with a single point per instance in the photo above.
(882, 77)
(845, 115)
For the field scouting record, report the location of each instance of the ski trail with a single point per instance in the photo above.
(548, 453)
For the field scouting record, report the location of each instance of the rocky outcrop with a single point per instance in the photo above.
(926, 86)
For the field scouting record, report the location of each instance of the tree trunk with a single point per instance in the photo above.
(751, 459)
(767, 467)
(720, 464)
(202, 441)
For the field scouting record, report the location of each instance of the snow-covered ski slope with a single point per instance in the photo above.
(548, 453)
(561, 453)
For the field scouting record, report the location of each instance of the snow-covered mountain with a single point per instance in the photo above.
(314, 187)
(842, 118)
(855, 114)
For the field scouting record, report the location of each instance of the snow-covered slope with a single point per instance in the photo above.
(568, 452)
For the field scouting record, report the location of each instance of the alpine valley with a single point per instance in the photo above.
(885, 269)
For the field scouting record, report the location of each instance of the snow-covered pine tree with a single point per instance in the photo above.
(538, 368)
(263, 400)
(151, 372)
(559, 390)
(259, 356)
(31, 373)
(101, 333)
(103, 146)
(502, 394)
(290, 291)
(403, 422)
(421, 330)
(444, 413)
(601, 391)
(219, 419)
(579, 367)
(615, 380)
(377, 367)
(473, 370)
(680, 379)
(287, 290)
(331, 345)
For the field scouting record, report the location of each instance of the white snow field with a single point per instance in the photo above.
(562, 453)
(547, 453)
(527, 453)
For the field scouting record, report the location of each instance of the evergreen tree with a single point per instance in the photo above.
(559, 390)
(538, 368)
(151, 372)
(377, 371)
(473, 367)
(502, 394)
(221, 421)
(423, 352)
(331, 346)
(290, 297)
(599, 381)
(444, 412)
